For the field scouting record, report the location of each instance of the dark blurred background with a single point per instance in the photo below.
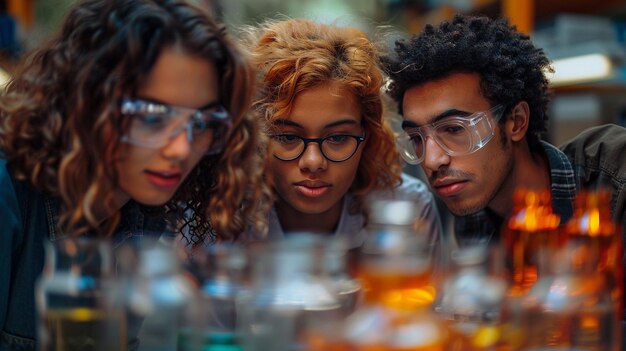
(585, 38)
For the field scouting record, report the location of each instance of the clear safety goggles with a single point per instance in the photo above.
(456, 135)
(154, 124)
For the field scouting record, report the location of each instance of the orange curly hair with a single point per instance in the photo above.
(60, 123)
(295, 55)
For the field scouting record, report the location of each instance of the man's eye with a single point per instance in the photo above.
(453, 129)
(450, 128)
(413, 133)
(416, 138)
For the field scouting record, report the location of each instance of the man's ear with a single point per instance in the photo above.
(517, 121)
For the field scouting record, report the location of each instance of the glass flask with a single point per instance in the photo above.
(210, 320)
(346, 287)
(395, 268)
(289, 295)
(75, 298)
(156, 292)
(568, 308)
(471, 299)
(531, 226)
(597, 239)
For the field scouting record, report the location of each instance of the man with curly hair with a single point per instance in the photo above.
(464, 82)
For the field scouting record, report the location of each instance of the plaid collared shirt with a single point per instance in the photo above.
(484, 227)
(594, 159)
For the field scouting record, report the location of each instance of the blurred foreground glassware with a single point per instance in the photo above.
(347, 288)
(531, 226)
(568, 308)
(395, 270)
(596, 238)
(210, 320)
(531, 229)
(573, 303)
(75, 298)
(471, 300)
(156, 292)
(289, 295)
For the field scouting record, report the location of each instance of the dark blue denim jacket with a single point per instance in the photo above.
(27, 218)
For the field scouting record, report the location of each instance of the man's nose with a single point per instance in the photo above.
(434, 155)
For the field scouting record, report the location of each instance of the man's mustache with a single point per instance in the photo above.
(449, 173)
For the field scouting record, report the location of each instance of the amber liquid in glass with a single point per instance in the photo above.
(531, 226)
(581, 330)
(406, 291)
(473, 336)
(523, 249)
(402, 287)
(599, 251)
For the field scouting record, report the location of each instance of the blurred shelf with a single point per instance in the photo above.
(546, 9)
(595, 87)
(23, 10)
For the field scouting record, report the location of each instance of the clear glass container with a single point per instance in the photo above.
(75, 298)
(568, 308)
(211, 320)
(346, 287)
(289, 295)
(156, 292)
(471, 298)
(395, 269)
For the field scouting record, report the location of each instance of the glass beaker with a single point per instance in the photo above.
(532, 226)
(210, 321)
(346, 287)
(75, 298)
(156, 292)
(288, 296)
(569, 308)
(599, 239)
(396, 270)
(471, 300)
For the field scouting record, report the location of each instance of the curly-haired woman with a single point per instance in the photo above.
(330, 146)
(131, 121)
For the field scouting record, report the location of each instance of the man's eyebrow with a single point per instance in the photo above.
(406, 124)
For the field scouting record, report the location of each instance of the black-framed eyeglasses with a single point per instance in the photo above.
(154, 124)
(335, 148)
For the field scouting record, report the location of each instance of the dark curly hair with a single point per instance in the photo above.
(511, 68)
(60, 123)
